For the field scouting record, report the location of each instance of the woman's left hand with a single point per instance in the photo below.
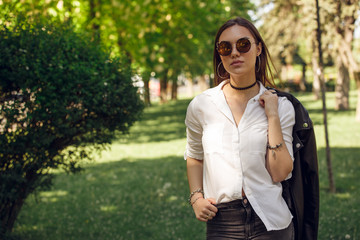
(269, 101)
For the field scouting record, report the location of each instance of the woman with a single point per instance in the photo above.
(239, 142)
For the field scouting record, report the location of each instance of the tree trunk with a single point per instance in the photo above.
(174, 88)
(357, 79)
(316, 87)
(9, 215)
(163, 87)
(323, 91)
(94, 14)
(342, 87)
(302, 83)
(346, 14)
(146, 79)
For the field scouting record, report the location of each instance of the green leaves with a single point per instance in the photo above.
(58, 91)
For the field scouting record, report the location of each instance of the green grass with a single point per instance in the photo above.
(138, 189)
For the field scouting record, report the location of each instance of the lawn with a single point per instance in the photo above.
(138, 189)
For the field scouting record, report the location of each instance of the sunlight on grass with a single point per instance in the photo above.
(144, 150)
(110, 208)
(52, 196)
(343, 195)
(138, 188)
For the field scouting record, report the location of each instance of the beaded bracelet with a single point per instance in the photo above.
(274, 147)
(199, 190)
(195, 201)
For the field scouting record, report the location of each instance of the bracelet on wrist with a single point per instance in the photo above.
(195, 201)
(274, 147)
(199, 190)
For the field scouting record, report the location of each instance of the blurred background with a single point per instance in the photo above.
(137, 188)
(169, 44)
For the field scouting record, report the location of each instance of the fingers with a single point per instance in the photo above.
(272, 91)
(210, 216)
(212, 207)
(268, 96)
(207, 215)
(205, 210)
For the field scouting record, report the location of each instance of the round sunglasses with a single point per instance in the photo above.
(224, 48)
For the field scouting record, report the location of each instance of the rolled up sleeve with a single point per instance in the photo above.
(194, 148)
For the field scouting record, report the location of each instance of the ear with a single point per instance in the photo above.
(258, 49)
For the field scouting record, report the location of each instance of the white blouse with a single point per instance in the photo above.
(234, 156)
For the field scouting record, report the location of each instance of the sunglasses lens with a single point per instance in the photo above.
(243, 45)
(224, 48)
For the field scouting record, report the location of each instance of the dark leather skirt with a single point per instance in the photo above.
(238, 220)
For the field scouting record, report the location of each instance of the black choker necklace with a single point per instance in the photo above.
(242, 88)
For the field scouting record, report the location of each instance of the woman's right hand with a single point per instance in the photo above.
(204, 209)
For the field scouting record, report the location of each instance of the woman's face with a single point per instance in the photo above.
(239, 64)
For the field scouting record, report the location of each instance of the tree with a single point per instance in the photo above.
(164, 38)
(344, 14)
(338, 25)
(169, 38)
(283, 41)
(61, 98)
(323, 92)
(304, 17)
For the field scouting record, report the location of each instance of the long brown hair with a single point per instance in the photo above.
(264, 75)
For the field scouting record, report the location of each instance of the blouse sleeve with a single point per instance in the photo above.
(287, 122)
(194, 148)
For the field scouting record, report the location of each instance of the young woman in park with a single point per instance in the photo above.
(239, 142)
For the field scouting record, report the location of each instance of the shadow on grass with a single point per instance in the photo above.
(345, 164)
(340, 212)
(146, 199)
(142, 199)
(160, 123)
(317, 114)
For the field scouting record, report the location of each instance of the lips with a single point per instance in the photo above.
(237, 62)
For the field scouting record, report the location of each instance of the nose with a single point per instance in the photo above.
(234, 51)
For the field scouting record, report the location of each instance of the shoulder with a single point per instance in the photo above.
(200, 102)
(286, 108)
(204, 97)
(285, 103)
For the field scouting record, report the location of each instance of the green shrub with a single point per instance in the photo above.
(61, 98)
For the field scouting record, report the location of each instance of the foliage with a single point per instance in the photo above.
(62, 97)
(139, 189)
(163, 37)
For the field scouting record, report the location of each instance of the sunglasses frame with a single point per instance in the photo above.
(245, 50)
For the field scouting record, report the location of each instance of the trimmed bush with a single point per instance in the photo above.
(61, 98)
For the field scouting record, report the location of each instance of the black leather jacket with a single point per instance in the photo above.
(301, 191)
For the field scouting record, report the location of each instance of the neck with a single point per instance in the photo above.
(247, 91)
(242, 88)
(242, 82)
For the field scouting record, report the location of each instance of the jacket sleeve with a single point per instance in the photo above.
(309, 163)
(301, 192)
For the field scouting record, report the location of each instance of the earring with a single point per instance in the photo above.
(258, 57)
(217, 71)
